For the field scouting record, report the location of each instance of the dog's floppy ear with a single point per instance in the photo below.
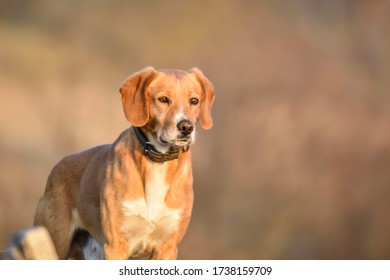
(207, 99)
(135, 101)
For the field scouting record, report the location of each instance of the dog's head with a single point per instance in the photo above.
(168, 104)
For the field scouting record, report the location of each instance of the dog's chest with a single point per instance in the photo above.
(148, 221)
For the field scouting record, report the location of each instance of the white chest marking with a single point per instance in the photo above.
(148, 220)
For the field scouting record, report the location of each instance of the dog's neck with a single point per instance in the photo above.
(151, 151)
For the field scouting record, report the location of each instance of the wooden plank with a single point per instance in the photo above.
(31, 244)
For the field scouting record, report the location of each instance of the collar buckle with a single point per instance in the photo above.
(147, 148)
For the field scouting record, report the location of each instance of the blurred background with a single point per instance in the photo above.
(297, 165)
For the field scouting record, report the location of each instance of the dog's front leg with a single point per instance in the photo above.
(116, 247)
(167, 251)
(115, 251)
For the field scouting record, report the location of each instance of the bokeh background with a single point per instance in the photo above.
(297, 165)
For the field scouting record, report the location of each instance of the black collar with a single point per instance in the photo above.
(153, 153)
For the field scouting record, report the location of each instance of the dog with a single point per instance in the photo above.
(133, 197)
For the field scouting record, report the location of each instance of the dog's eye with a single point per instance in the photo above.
(163, 99)
(194, 101)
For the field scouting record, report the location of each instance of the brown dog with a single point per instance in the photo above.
(134, 197)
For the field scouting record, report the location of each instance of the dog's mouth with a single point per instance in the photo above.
(165, 140)
(178, 142)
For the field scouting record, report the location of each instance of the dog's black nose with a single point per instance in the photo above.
(185, 127)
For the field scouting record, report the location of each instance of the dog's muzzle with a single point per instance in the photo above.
(153, 154)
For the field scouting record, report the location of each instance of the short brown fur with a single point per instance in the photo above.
(98, 189)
